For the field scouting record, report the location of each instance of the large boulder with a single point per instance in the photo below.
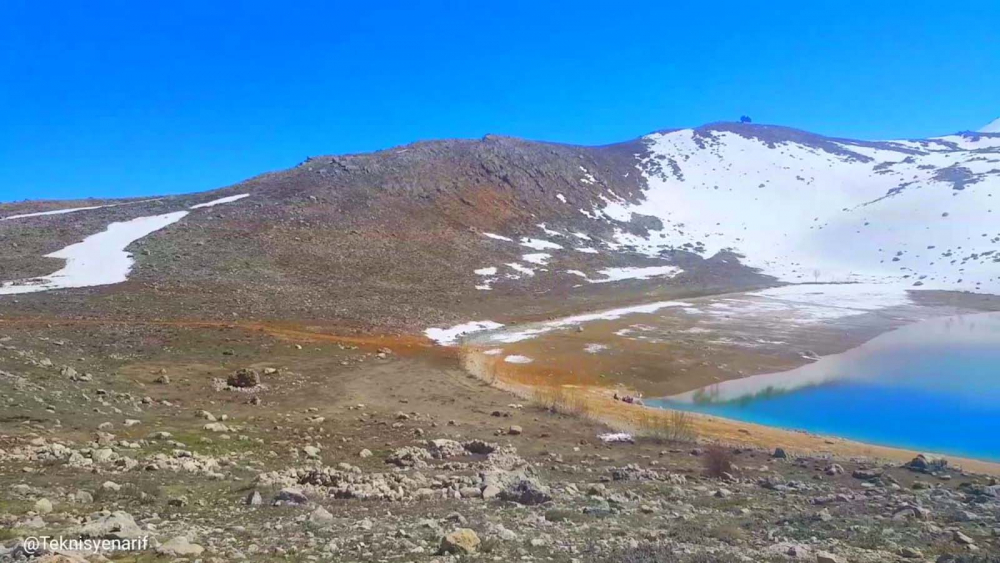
(461, 541)
(526, 491)
(244, 378)
(111, 525)
(924, 463)
(179, 547)
(290, 495)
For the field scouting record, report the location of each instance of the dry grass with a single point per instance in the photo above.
(718, 461)
(562, 400)
(666, 426)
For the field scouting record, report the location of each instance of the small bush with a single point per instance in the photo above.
(718, 461)
(561, 400)
(672, 426)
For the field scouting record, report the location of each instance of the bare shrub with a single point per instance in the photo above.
(718, 461)
(561, 400)
(672, 426)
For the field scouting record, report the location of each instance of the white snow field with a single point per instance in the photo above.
(917, 213)
(101, 259)
(992, 127)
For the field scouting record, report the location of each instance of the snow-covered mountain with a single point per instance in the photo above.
(465, 229)
(806, 208)
(992, 127)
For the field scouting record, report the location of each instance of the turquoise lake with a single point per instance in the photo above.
(932, 386)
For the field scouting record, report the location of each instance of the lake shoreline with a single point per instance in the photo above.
(574, 372)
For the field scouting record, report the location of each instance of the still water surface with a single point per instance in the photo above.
(931, 386)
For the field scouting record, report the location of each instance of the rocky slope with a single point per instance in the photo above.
(225, 445)
(450, 230)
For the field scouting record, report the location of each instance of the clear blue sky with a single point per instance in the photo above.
(115, 98)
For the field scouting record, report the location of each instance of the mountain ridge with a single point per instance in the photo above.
(466, 228)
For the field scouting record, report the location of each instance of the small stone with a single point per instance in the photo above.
(253, 499)
(514, 430)
(365, 453)
(43, 506)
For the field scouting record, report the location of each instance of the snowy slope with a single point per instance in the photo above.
(805, 208)
(101, 258)
(993, 127)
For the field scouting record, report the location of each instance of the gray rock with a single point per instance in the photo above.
(320, 516)
(111, 525)
(526, 491)
(290, 496)
(179, 546)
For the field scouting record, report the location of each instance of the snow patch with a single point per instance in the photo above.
(540, 244)
(220, 201)
(619, 274)
(100, 259)
(539, 258)
(71, 210)
(497, 237)
(549, 231)
(518, 359)
(567, 322)
(450, 336)
(521, 268)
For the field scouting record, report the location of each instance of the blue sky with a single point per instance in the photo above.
(117, 98)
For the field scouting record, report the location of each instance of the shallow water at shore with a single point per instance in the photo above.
(932, 385)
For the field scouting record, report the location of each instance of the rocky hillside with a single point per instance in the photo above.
(500, 227)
